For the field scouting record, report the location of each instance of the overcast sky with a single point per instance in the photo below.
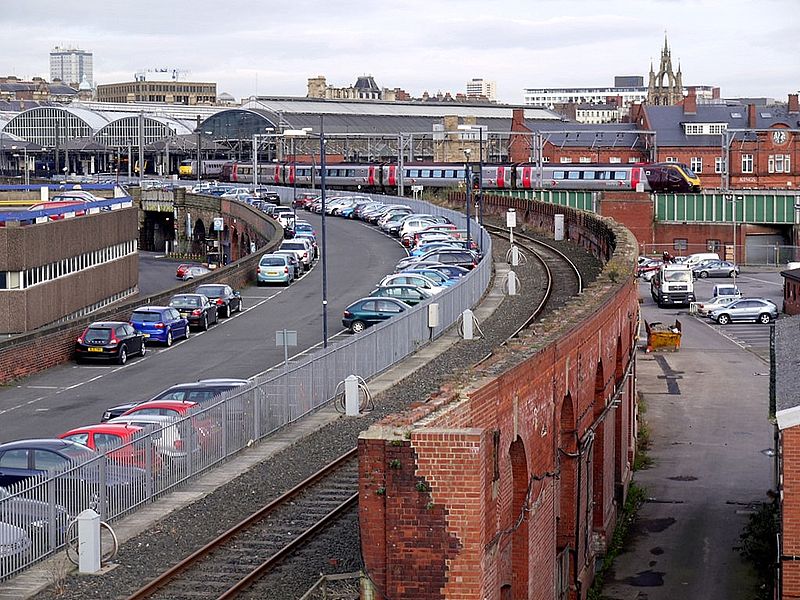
(746, 48)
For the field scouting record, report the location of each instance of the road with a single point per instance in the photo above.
(72, 395)
(156, 273)
(707, 408)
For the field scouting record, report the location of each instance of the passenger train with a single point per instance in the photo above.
(655, 177)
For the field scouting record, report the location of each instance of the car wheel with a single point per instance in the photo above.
(730, 274)
(169, 338)
(226, 312)
(764, 318)
(186, 336)
(357, 326)
(239, 308)
(723, 319)
(204, 326)
(122, 357)
(703, 274)
(143, 350)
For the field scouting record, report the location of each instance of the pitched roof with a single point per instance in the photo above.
(787, 371)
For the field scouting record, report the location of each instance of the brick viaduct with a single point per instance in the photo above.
(508, 483)
(24, 355)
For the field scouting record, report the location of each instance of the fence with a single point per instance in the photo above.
(36, 510)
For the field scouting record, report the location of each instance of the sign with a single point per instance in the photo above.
(511, 218)
(285, 338)
(219, 224)
(416, 188)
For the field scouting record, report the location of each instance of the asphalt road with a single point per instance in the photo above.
(72, 395)
(156, 273)
(707, 409)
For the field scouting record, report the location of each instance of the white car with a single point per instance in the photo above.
(414, 279)
(704, 308)
(302, 248)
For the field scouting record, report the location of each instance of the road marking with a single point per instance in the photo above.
(39, 387)
(306, 351)
(761, 281)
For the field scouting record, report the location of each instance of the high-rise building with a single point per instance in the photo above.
(481, 87)
(73, 66)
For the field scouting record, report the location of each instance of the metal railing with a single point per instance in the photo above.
(35, 512)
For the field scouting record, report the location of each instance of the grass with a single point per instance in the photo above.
(642, 459)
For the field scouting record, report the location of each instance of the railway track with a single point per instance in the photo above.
(233, 561)
(562, 276)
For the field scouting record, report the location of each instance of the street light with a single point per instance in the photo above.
(734, 200)
(467, 152)
(256, 137)
(295, 133)
(480, 166)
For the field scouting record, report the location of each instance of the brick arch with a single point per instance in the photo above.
(568, 467)
(619, 417)
(199, 233)
(598, 449)
(519, 502)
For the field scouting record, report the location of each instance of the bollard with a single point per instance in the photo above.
(351, 396)
(559, 228)
(514, 256)
(512, 283)
(468, 320)
(89, 541)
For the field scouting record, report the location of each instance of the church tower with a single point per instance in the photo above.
(665, 87)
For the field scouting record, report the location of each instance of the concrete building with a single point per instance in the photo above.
(480, 88)
(169, 92)
(73, 66)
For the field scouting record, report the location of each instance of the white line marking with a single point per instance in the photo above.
(306, 351)
(761, 280)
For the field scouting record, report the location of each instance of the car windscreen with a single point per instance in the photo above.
(293, 246)
(77, 452)
(98, 334)
(189, 301)
(677, 276)
(145, 316)
(273, 262)
(211, 290)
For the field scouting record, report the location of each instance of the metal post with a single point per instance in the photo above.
(400, 166)
(469, 188)
(130, 176)
(255, 163)
(323, 264)
(141, 148)
(480, 177)
(294, 176)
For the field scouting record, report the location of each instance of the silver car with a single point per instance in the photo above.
(746, 309)
(715, 268)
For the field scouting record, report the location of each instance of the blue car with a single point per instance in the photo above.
(160, 324)
(438, 277)
(452, 271)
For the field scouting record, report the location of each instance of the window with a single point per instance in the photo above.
(615, 160)
(14, 459)
(693, 129)
(44, 459)
(747, 163)
(779, 163)
(680, 244)
(719, 164)
(670, 159)
(79, 438)
(696, 164)
(713, 245)
(558, 174)
(585, 159)
(565, 159)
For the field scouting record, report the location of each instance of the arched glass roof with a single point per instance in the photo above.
(125, 130)
(44, 124)
(237, 124)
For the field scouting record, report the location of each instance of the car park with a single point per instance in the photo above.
(369, 311)
(160, 324)
(171, 437)
(746, 309)
(409, 294)
(118, 441)
(705, 308)
(275, 268)
(196, 308)
(227, 299)
(715, 268)
(109, 340)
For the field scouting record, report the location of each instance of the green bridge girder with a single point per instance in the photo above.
(765, 207)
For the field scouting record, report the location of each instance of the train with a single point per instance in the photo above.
(210, 169)
(385, 177)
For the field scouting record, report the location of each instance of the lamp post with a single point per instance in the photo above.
(256, 137)
(734, 200)
(467, 152)
(480, 167)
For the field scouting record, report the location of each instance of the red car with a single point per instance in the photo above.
(204, 425)
(183, 270)
(650, 264)
(105, 437)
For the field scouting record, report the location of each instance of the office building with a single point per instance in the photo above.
(72, 66)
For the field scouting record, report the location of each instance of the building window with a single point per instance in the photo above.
(747, 163)
(680, 244)
(670, 159)
(719, 164)
(565, 159)
(779, 163)
(696, 164)
(614, 160)
(585, 159)
(713, 245)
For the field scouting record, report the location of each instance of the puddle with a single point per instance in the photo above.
(646, 579)
(654, 525)
(683, 478)
(658, 551)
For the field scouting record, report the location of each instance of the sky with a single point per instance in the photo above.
(271, 48)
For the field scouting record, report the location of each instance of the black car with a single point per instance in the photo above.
(460, 258)
(197, 308)
(109, 340)
(227, 299)
(200, 392)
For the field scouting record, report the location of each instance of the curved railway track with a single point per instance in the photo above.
(233, 561)
(242, 557)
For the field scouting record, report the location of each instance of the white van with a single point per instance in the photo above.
(695, 259)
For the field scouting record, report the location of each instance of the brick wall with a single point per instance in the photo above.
(24, 355)
(634, 211)
(790, 512)
(476, 492)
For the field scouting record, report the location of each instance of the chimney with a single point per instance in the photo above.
(794, 106)
(751, 116)
(690, 103)
(518, 120)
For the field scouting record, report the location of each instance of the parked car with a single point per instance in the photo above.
(409, 294)
(419, 281)
(368, 311)
(437, 277)
(725, 290)
(294, 263)
(196, 308)
(160, 324)
(34, 517)
(195, 271)
(227, 299)
(452, 271)
(275, 268)
(109, 340)
(302, 248)
(705, 308)
(648, 265)
(715, 268)
(168, 408)
(746, 309)
(173, 438)
(117, 441)
(14, 547)
(303, 199)
(182, 268)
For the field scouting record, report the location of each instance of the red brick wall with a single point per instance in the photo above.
(444, 484)
(634, 211)
(790, 512)
(791, 296)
